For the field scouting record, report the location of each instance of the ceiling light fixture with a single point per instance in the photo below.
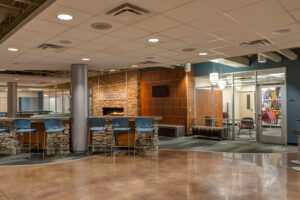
(13, 49)
(134, 66)
(17, 79)
(65, 17)
(203, 54)
(153, 40)
(222, 84)
(112, 70)
(85, 59)
(214, 78)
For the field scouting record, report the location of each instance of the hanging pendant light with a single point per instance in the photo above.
(214, 78)
(222, 84)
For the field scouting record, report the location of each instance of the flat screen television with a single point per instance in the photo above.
(160, 91)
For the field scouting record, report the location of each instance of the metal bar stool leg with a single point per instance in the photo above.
(128, 137)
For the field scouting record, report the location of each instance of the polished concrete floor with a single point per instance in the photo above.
(175, 175)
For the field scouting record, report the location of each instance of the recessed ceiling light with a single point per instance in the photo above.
(85, 59)
(101, 26)
(203, 54)
(17, 79)
(65, 17)
(188, 49)
(112, 70)
(13, 49)
(281, 31)
(134, 66)
(153, 40)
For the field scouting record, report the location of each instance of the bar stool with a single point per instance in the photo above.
(97, 124)
(23, 126)
(53, 126)
(143, 125)
(121, 124)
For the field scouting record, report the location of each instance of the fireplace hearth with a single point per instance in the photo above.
(113, 111)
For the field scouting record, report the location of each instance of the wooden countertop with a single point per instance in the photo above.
(6, 119)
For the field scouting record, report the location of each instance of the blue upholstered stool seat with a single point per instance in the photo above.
(55, 130)
(25, 130)
(4, 130)
(122, 129)
(145, 130)
(98, 129)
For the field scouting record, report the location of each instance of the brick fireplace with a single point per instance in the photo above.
(116, 90)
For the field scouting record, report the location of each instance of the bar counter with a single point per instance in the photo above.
(98, 141)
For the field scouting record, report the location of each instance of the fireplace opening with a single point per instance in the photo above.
(113, 111)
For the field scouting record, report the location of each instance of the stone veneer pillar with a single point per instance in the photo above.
(12, 99)
(79, 89)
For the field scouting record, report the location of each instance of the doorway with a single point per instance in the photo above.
(271, 114)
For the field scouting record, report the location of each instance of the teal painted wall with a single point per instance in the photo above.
(292, 84)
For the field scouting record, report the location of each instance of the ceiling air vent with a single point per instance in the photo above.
(149, 62)
(128, 13)
(127, 8)
(256, 43)
(52, 47)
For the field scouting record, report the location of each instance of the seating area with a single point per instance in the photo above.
(28, 137)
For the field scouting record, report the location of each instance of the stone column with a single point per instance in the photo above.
(12, 99)
(79, 92)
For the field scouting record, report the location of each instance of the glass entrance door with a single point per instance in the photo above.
(271, 116)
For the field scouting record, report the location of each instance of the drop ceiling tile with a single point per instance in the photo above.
(43, 26)
(169, 53)
(236, 34)
(20, 43)
(129, 33)
(108, 40)
(133, 45)
(269, 33)
(92, 6)
(180, 32)
(268, 14)
(291, 4)
(296, 14)
(50, 14)
(213, 22)
(91, 46)
(173, 44)
(114, 50)
(158, 5)
(192, 11)
(157, 23)
(199, 38)
(75, 52)
(31, 36)
(231, 50)
(151, 50)
(213, 44)
(230, 4)
(87, 24)
(80, 34)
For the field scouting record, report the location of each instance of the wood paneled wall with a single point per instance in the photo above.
(174, 108)
(204, 107)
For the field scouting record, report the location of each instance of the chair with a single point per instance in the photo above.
(121, 124)
(143, 125)
(23, 126)
(246, 123)
(53, 126)
(97, 124)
